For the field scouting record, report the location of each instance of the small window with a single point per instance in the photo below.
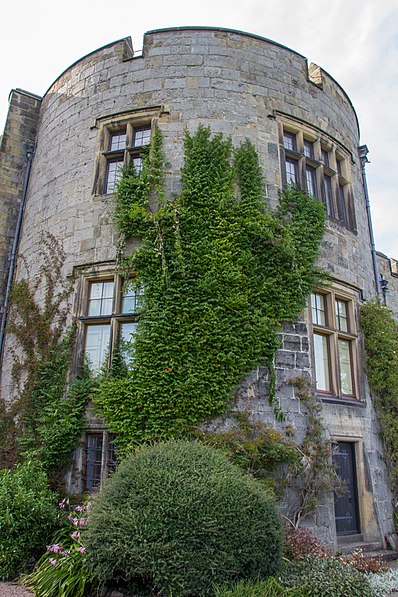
(291, 171)
(118, 141)
(310, 179)
(142, 136)
(309, 149)
(318, 309)
(100, 301)
(322, 362)
(325, 157)
(114, 171)
(92, 461)
(289, 141)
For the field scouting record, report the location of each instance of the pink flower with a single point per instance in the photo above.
(54, 548)
(75, 535)
(88, 506)
(52, 561)
(79, 509)
(82, 549)
(65, 553)
(82, 522)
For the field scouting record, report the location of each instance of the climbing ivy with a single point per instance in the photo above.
(381, 347)
(220, 272)
(45, 416)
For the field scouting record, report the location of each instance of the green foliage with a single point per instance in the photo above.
(381, 346)
(177, 517)
(327, 576)
(314, 473)
(383, 583)
(272, 587)
(63, 570)
(27, 516)
(257, 448)
(45, 416)
(220, 273)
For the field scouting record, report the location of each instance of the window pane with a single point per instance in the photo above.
(113, 174)
(318, 307)
(93, 460)
(142, 136)
(321, 354)
(329, 196)
(310, 177)
(289, 141)
(291, 171)
(113, 458)
(101, 299)
(308, 149)
(131, 300)
(325, 157)
(345, 367)
(342, 315)
(97, 345)
(137, 163)
(341, 204)
(117, 141)
(127, 331)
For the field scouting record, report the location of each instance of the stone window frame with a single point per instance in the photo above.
(333, 334)
(320, 157)
(114, 319)
(129, 121)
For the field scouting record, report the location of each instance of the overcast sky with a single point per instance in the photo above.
(356, 41)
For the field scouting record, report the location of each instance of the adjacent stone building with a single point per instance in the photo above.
(98, 114)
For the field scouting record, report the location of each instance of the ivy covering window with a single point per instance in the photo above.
(334, 344)
(319, 166)
(109, 321)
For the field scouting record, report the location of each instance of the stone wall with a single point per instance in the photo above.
(244, 86)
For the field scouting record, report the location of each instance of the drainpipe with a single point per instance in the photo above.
(363, 152)
(29, 151)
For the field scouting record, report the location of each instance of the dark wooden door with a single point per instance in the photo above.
(346, 505)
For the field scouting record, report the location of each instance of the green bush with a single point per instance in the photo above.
(271, 587)
(28, 516)
(327, 576)
(177, 517)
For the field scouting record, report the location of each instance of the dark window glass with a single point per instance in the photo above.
(325, 157)
(329, 195)
(339, 167)
(341, 204)
(93, 461)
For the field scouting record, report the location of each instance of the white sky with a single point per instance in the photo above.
(356, 41)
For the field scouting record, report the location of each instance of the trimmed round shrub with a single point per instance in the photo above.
(28, 516)
(327, 576)
(178, 518)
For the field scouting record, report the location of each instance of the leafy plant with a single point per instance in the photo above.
(365, 564)
(272, 587)
(220, 273)
(257, 448)
(381, 347)
(28, 515)
(327, 576)
(64, 569)
(300, 542)
(314, 474)
(383, 583)
(46, 416)
(178, 518)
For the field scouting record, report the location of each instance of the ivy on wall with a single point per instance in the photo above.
(381, 347)
(220, 272)
(45, 416)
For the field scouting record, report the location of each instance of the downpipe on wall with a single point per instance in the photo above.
(29, 151)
